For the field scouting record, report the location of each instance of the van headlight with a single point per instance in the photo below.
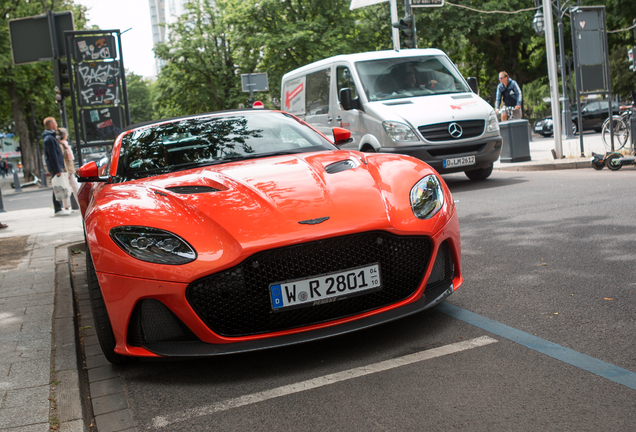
(493, 124)
(427, 197)
(399, 131)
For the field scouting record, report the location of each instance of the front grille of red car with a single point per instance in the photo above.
(236, 302)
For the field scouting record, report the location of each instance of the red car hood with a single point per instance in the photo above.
(265, 203)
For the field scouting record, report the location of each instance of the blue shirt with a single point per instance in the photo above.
(511, 94)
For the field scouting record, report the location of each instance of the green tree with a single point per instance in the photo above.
(200, 74)
(277, 36)
(139, 98)
(31, 82)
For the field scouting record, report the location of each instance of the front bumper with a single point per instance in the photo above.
(153, 318)
(486, 152)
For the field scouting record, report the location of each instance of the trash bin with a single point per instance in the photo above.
(516, 145)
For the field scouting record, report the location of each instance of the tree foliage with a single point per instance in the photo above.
(200, 74)
(277, 36)
(139, 98)
(19, 85)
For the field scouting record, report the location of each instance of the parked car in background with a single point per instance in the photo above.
(593, 115)
(544, 127)
(244, 230)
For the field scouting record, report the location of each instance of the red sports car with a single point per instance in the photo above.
(244, 230)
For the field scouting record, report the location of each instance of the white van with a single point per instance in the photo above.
(411, 102)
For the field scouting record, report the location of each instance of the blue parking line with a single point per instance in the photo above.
(590, 364)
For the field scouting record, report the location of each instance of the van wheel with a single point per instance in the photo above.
(479, 174)
(368, 149)
(103, 327)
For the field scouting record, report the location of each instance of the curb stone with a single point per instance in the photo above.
(107, 406)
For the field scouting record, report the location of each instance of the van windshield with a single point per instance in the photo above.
(409, 77)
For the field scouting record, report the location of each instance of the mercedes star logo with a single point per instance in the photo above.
(455, 130)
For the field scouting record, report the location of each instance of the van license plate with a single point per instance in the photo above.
(325, 288)
(460, 161)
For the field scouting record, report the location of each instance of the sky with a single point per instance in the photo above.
(123, 15)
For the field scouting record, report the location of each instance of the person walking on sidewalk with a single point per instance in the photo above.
(54, 160)
(69, 160)
(509, 90)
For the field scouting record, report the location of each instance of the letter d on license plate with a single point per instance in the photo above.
(326, 288)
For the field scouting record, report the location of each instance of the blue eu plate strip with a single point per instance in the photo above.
(277, 296)
(590, 364)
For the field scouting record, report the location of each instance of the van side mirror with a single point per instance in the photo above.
(346, 101)
(472, 83)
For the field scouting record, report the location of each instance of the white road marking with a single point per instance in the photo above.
(163, 421)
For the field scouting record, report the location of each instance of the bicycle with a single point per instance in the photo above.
(621, 127)
(509, 111)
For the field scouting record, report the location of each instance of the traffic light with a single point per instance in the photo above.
(632, 59)
(407, 30)
(60, 74)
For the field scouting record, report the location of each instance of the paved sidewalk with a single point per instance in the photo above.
(39, 386)
(542, 159)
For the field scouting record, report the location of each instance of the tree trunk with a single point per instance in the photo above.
(28, 150)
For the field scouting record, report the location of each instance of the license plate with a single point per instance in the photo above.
(460, 161)
(538, 128)
(325, 288)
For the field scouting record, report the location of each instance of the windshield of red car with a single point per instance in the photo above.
(208, 140)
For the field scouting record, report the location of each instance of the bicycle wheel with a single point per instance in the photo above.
(621, 133)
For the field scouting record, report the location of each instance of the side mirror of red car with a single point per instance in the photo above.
(341, 136)
(89, 173)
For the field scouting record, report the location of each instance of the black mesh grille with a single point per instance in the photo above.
(236, 302)
(439, 132)
(444, 268)
(153, 322)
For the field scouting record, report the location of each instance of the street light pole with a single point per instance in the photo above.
(566, 114)
(553, 77)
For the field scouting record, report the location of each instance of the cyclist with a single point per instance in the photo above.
(509, 90)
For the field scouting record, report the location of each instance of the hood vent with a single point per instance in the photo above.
(340, 166)
(465, 96)
(190, 190)
(405, 102)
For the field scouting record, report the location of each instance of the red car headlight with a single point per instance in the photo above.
(153, 245)
(427, 197)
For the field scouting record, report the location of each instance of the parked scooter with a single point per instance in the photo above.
(612, 160)
(616, 161)
(33, 182)
(598, 160)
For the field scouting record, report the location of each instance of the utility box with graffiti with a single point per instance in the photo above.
(102, 124)
(98, 82)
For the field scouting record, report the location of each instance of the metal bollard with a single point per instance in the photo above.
(16, 181)
(2, 210)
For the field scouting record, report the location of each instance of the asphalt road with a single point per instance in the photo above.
(30, 198)
(548, 259)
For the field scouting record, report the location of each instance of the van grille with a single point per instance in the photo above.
(439, 131)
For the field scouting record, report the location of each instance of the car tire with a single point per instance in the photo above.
(611, 164)
(103, 328)
(575, 128)
(479, 174)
